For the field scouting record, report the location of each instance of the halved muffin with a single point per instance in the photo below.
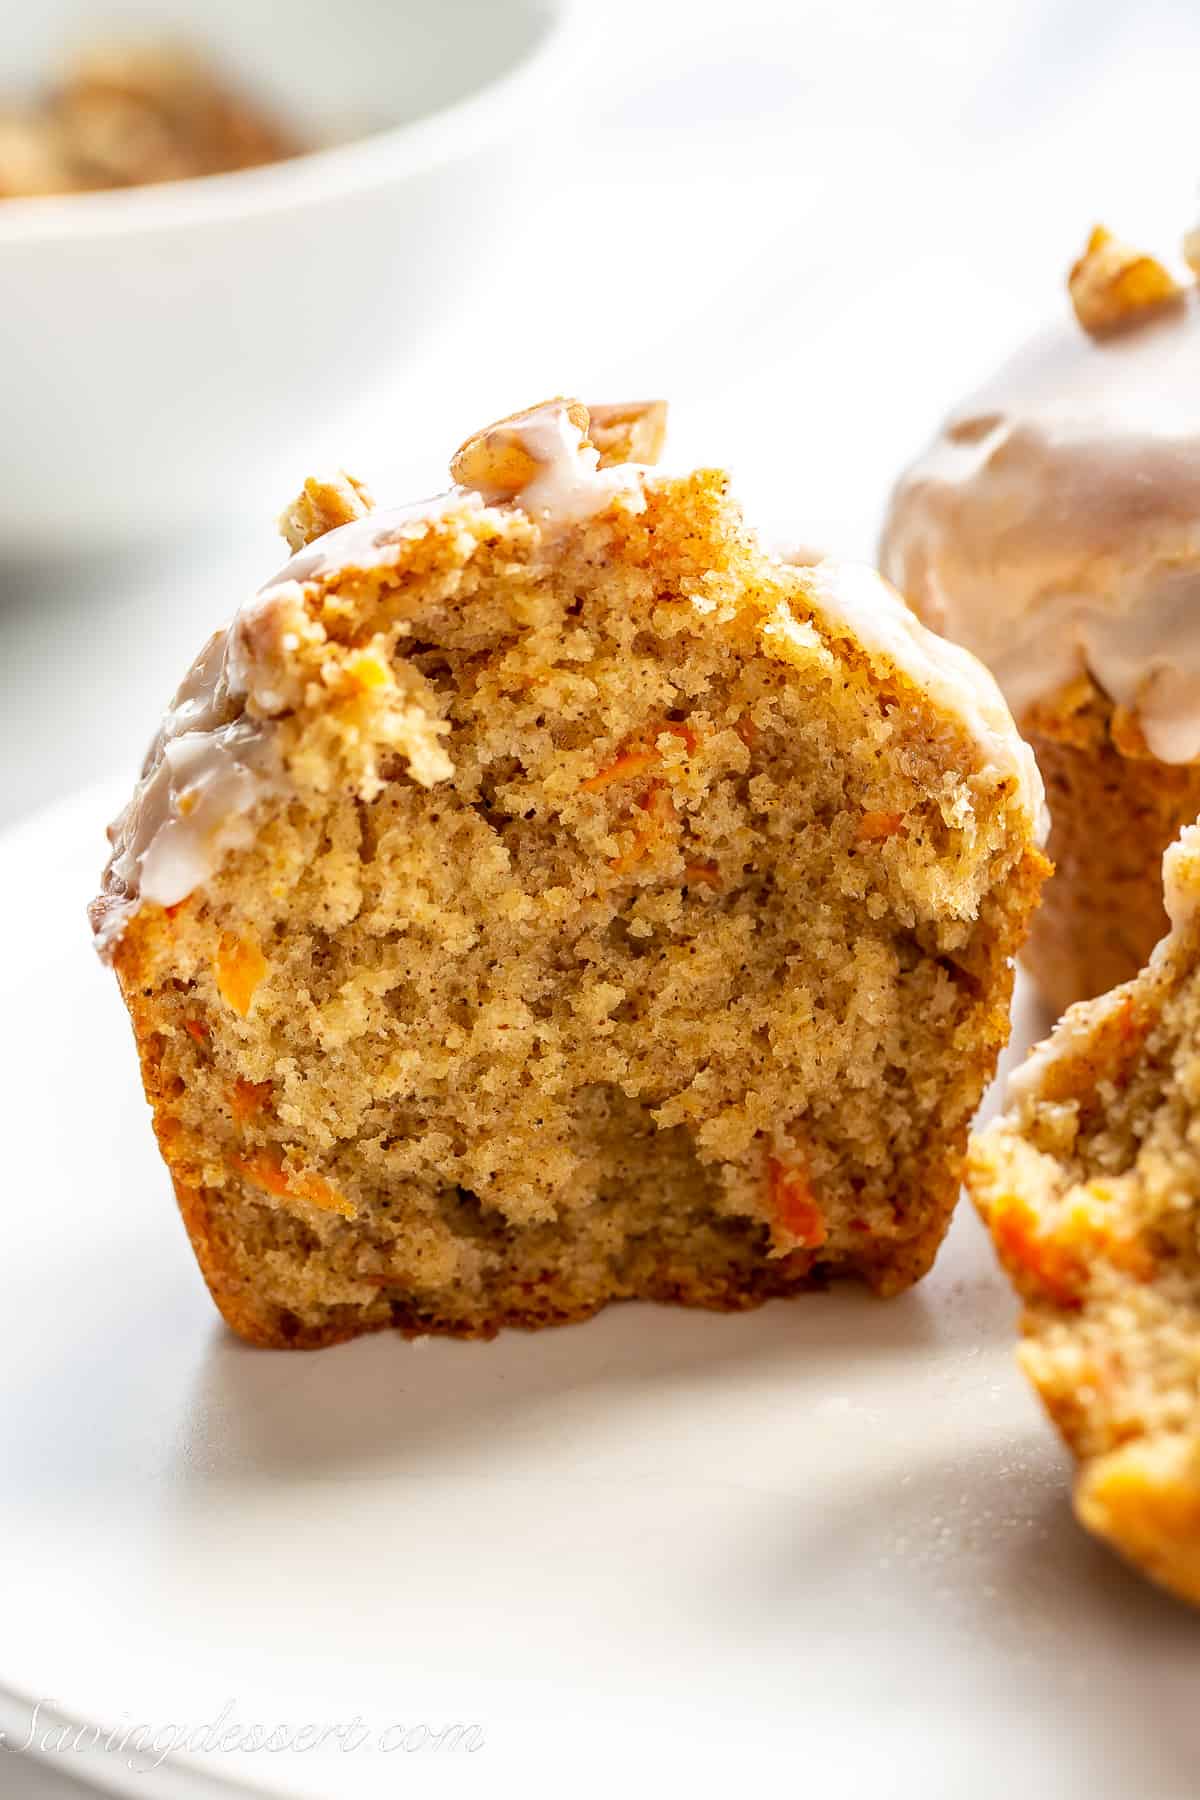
(1090, 1186)
(541, 896)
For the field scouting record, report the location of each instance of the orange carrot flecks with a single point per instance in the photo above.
(196, 1028)
(1130, 1030)
(628, 765)
(264, 1168)
(702, 875)
(677, 728)
(794, 1205)
(875, 827)
(1053, 1270)
(659, 809)
(635, 761)
(248, 1098)
(240, 967)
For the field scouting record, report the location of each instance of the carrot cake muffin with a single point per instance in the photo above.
(540, 896)
(1090, 1186)
(1054, 529)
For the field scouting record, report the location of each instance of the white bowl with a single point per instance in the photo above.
(170, 351)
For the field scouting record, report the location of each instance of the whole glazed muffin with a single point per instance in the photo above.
(1053, 528)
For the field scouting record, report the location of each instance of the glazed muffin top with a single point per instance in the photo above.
(536, 476)
(1053, 526)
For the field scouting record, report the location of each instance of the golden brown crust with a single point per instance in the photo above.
(1113, 812)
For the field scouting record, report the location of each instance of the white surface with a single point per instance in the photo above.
(168, 350)
(834, 1531)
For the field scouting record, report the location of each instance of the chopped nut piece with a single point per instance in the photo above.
(498, 460)
(632, 432)
(322, 506)
(1112, 284)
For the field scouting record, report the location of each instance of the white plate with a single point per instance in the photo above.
(831, 1536)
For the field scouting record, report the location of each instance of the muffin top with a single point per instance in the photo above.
(1053, 526)
(530, 480)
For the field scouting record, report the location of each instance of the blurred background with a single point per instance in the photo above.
(811, 224)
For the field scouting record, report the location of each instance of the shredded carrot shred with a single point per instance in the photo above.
(677, 728)
(747, 730)
(240, 967)
(196, 1028)
(248, 1098)
(1129, 1030)
(659, 809)
(265, 1169)
(633, 762)
(874, 827)
(638, 758)
(702, 875)
(794, 1204)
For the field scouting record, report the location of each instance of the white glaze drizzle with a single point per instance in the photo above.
(1054, 525)
(213, 760)
(207, 767)
(569, 483)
